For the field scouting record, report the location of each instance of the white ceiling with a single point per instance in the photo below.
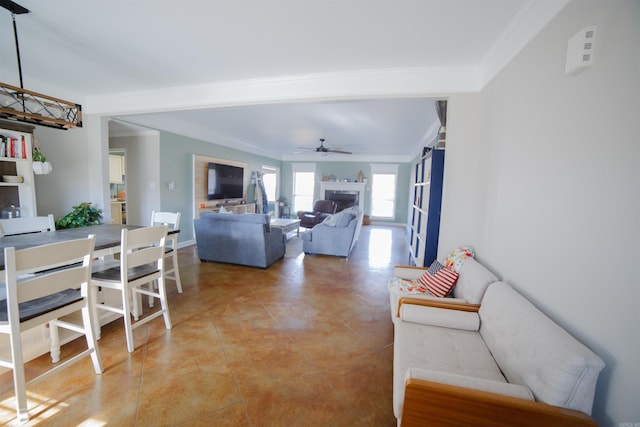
(93, 50)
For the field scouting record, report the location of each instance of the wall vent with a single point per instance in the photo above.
(580, 50)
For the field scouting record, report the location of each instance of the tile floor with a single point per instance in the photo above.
(307, 341)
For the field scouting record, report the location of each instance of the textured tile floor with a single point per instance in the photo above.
(307, 341)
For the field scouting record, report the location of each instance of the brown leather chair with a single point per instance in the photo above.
(321, 210)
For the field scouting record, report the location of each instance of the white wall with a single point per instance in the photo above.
(542, 178)
(80, 167)
(142, 175)
(70, 182)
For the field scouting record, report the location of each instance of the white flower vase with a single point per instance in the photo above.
(42, 168)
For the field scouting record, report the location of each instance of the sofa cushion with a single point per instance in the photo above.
(473, 281)
(440, 349)
(345, 219)
(340, 219)
(521, 338)
(446, 318)
(438, 279)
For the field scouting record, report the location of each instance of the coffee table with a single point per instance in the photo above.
(286, 225)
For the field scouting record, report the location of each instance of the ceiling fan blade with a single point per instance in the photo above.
(321, 149)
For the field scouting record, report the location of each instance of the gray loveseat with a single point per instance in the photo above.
(245, 239)
(336, 235)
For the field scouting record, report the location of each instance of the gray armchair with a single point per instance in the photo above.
(321, 210)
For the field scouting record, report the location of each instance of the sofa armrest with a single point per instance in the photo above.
(406, 288)
(408, 272)
(274, 241)
(502, 388)
(433, 403)
(436, 302)
(453, 315)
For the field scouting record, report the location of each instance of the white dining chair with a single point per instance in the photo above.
(23, 225)
(47, 284)
(141, 263)
(172, 219)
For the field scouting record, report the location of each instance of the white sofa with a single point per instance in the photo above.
(501, 362)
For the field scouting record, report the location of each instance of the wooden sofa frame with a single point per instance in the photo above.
(436, 404)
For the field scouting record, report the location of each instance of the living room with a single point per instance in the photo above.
(540, 179)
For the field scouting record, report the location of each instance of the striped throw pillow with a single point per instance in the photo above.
(438, 279)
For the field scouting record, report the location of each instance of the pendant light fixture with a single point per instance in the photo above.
(23, 105)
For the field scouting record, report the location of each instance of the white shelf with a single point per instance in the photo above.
(425, 211)
(25, 197)
(14, 159)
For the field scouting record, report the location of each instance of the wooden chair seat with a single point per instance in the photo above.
(40, 306)
(135, 273)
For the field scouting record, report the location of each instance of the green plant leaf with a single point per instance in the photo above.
(82, 215)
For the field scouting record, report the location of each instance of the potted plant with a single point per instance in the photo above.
(40, 164)
(82, 215)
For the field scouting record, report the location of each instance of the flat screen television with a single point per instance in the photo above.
(225, 182)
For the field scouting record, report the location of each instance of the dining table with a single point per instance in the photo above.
(107, 238)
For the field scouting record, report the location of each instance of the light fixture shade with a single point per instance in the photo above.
(33, 107)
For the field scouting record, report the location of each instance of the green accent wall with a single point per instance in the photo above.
(176, 165)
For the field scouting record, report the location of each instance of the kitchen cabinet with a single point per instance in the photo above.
(17, 186)
(118, 213)
(116, 169)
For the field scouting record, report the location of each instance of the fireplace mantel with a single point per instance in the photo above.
(344, 186)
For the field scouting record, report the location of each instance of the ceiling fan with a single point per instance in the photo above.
(321, 149)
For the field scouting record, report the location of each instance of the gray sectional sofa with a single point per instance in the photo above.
(245, 239)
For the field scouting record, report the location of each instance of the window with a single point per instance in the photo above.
(383, 190)
(303, 186)
(270, 177)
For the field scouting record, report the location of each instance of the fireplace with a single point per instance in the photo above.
(343, 199)
(345, 194)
